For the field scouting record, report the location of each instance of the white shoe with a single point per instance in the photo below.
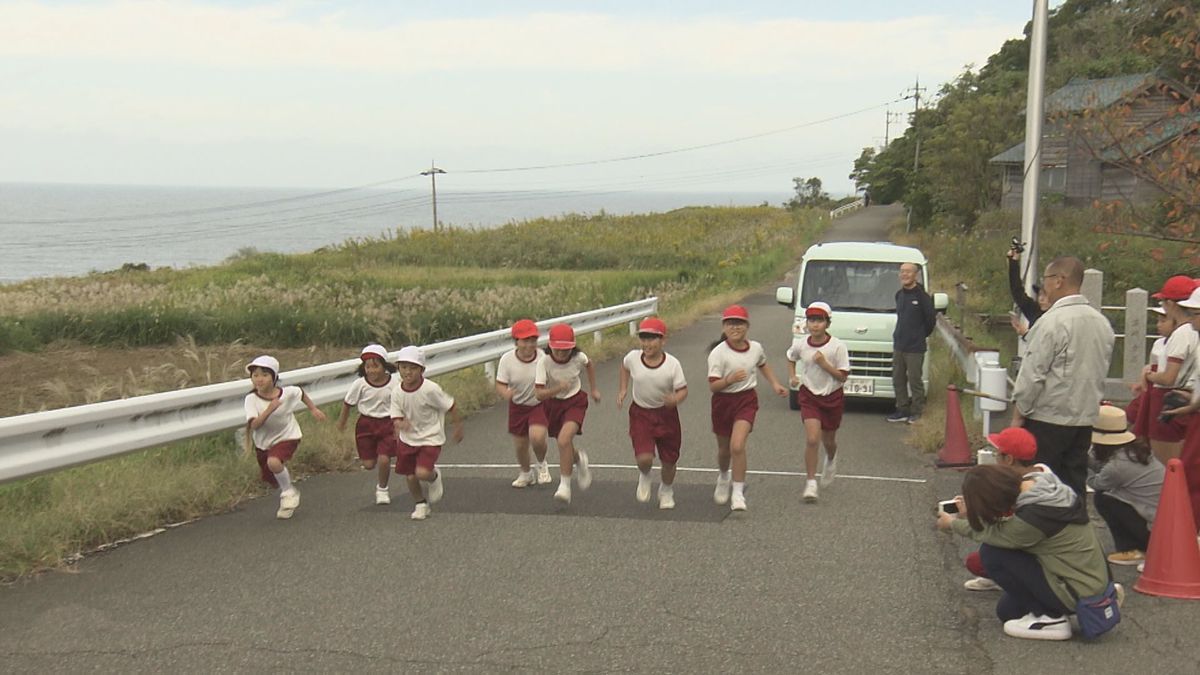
(829, 470)
(563, 493)
(436, 490)
(382, 496)
(284, 513)
(1034, 627)
(524, 479)
(421, 511)
(585, 474)
(981, 584)
(289, 499)
(643, 488)
(666, 498)
(1141, 567)
(543, 474)
(737, 502)
(721, 494)
(810, 491)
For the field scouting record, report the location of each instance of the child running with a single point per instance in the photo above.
(732, 377)
(374, 434)
(418, 411)
(824, 366)
(557, 384)
(526, 414)
(272, 428)
(658, 389)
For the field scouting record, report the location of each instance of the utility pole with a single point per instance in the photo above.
(916, 97)
(1034, 111)
(432, 173)
(887, 126)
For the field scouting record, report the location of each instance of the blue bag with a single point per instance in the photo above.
(1098, 614)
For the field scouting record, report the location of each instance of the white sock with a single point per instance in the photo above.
(564, 480)
(644, 478)
(723, 476)
(664, 489)
(284, 479)
(381, 487)
(739, 488)
(812, 482)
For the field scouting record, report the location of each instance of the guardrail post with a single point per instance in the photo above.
(633, 326)
(597, 338)
(489, 371)
(1135, 335)
(1093, 287)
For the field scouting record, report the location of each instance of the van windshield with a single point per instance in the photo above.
(851, 286)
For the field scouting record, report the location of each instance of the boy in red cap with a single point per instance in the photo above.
(824, 364)
(558, 385)
(658, 389)
(526, 414)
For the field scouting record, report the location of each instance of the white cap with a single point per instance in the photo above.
(376, 350)
(821, 306)
(264, 361)
(1193, 301)
(411, 354)
(1161, 311)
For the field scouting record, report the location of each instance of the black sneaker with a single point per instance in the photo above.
(913, 419)
(897, 417)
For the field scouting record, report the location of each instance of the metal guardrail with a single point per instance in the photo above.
(57, 439)
(847, 208)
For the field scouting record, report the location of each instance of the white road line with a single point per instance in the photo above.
(633, 467)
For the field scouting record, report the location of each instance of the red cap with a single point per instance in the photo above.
(736, 312)
(1015, 442)
(524, 329)
(562, 336)
(654, 325)
(1178, 287)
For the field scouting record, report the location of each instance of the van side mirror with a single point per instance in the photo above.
(786, 295)
(941, 302)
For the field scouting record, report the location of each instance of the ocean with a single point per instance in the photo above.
(51, 230)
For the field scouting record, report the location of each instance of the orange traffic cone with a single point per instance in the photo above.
(956, 452)
(1173, 561)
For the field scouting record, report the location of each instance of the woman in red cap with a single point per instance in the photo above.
(557, 383)
(1175, 369)
(733, 364)
(374, 434)
(658, 389)
(526, 414)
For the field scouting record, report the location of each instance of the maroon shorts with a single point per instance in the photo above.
(729, 408)
(650, 427)
(974, 563)
(828, 409)
(1174, 429)
(374, 437)
(559, 411)
(521, 417)
(409, 457)
(283, 451)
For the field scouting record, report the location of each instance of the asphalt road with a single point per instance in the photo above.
(500, 579)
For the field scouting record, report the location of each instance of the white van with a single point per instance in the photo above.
(859, 280)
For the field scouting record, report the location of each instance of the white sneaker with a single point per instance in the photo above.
(1141, 567)
(524, 479)
(421, 511)
(981, 584)
(810, 491)
(643, 488)
(563, 493)
(828, 470)
(289, 499)
(666, 498)
(585, 474)
(721, 494)
(737, 502)
(284, 513)
(543, 474)
(382, 496)
(1034, 627)
(436, 490)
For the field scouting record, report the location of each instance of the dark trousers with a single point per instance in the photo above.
(1129, 530)
(1026, 590)
(1064, 450)
(906, 375)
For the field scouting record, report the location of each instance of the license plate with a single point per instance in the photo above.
(859, 386)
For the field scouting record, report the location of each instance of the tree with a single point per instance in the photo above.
(808, 194)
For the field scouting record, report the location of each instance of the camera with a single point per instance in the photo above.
(949, 507)
(1171, 401)
(1017, 246)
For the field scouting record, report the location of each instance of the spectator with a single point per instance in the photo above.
(915, 319)
(1061, 381)
(1175, 368)
(1030, 308)
(1128, 480)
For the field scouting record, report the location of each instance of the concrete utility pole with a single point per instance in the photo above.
(1034, 111)
(887, 126)
(916, 97)
(432, 173)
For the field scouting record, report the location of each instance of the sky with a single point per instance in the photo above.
(730, 96)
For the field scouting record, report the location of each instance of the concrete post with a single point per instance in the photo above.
(489, 371)
(597, 337)
(1135, 334)
(1093, 287)
(633, 326)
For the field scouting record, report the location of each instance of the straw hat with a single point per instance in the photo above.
(1111, 427)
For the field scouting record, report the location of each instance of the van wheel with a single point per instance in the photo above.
(794, 399)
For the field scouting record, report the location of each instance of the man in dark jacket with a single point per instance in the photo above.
(915, 319)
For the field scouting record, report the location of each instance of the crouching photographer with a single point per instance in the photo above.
(1037, 544)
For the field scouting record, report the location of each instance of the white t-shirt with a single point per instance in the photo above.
(372, 401)
(1181, 346)
(813, 377)
(650, 385)
(519, 376)
(425, 409)
(724, 360)
(1158, 354)
(281, 425)
(549, 370)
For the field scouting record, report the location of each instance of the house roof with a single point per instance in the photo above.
(1013, 155)
(1151, 137)
(1081, 94)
